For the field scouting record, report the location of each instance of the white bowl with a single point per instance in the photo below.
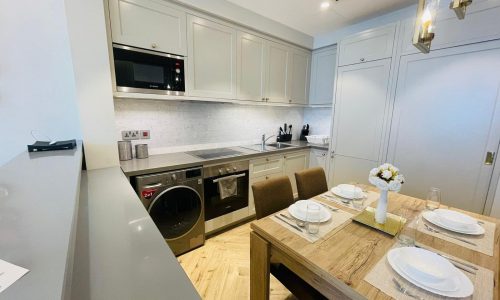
(318, 139)
(454, 219)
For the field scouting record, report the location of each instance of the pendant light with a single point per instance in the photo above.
(459, 7)
(425, 24)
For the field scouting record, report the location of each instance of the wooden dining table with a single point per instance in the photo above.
(337, 264)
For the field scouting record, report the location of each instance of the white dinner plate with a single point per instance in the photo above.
(455, 219)
(434, 218)
(298, 210)
(424, 269)
(348, 191)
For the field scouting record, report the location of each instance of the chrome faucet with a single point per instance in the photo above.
(264, 140)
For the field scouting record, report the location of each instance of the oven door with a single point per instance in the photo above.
(139, 70)
(215, 206)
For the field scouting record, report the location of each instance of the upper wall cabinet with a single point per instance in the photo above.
(279, 72)
(367, 46)
(251, 67)
(300, 74)
(323, 76)
(211, 59)
(148, 24)
(481, 23)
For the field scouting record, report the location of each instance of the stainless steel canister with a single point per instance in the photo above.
(125, 150)
(141, 151)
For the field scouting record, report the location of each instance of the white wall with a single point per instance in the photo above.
(335, 36)
(319, 120)
(89, 47)
(243, 16)
(181, 126)
(37, 90)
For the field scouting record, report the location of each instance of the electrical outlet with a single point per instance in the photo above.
(145, 134)
(128, 135)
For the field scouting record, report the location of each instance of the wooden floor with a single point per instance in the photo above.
(221, 268)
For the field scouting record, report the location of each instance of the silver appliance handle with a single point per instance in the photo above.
(152, 186)
(235, 176)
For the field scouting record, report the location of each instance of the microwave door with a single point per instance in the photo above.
(149, 76)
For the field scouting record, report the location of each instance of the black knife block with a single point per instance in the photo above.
(303, 134)
(284, 138)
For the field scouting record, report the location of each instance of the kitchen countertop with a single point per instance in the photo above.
(120, 253)
(181, 160)
(38, 203)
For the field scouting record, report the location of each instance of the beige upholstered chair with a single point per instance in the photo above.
(311, 182)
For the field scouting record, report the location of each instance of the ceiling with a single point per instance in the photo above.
(308, 17)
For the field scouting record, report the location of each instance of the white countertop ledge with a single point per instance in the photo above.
(120, 253)
(39, 194)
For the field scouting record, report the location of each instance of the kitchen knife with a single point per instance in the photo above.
(281, 131)
(307, 127)
(290, 127)
(285, 128)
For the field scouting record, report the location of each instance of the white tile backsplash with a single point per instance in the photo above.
(180, 126)
(319, 120)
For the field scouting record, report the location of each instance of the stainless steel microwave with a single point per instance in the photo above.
(144, 71)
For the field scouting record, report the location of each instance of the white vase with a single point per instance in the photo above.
(381, 212)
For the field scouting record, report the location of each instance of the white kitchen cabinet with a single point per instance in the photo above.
(148, 24)
(300, 76)
(211, 59)
(279, 73)
(369, 45)
(251, 67)
(323, 76)
(266, 165)
(295, 162)
(318, 158)
(361, 102)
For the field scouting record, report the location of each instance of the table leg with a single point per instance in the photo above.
(259, 267)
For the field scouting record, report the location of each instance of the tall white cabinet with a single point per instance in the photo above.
(323, 68)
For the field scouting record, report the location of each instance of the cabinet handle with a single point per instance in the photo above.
(267, 99)
(153, 45)
(290, 100)
(267, 159)
(284, 156)
(362, 59)
(332, 154)
(263, 99)
(267, 177)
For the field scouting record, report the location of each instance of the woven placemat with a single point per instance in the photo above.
(485, 243)
(370, 198)
(338, 218)
(381, 277)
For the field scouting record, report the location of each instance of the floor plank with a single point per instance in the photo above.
(221, 268)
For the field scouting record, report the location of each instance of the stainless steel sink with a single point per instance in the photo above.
(280, 145)
(267, 147)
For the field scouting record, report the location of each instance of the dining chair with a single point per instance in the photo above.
(311, 182)
(271, 196)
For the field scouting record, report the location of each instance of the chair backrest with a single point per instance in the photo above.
(311, 182)
(272, 195)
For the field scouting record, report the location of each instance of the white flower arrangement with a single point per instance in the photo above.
(386, 177)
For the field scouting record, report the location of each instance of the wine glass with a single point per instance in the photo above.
(433, 200)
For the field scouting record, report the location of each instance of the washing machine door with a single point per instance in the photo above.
(176, 210)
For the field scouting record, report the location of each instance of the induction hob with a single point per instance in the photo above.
(214, 153)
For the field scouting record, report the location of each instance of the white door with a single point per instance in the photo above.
(323, 76)
(361, 102)
(251, 68)
(148, 24)
(211, 59)
(299, 80)
(295, 162)
(278, 89)
(446, 118)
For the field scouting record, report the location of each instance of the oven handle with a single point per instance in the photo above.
(233, 176)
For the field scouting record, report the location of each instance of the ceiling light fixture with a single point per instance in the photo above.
(425, 24)
(460, 7)
(325, 4)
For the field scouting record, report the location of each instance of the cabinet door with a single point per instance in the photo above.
(278, 89)
(323, 76)
(299, 80)
(367, 46)
(251, 202)
(267, 165)
(211, 59)
(295, 162)
(317, 158)
(361, 101)
(251, 67)
(147, 24)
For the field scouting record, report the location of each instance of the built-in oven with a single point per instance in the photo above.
(225, 208)
(144, 71)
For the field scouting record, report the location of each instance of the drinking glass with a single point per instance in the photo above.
(406, 236)
(313, 218)
(433, 199)
(358, 203)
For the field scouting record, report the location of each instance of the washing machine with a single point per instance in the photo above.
(174, 201)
